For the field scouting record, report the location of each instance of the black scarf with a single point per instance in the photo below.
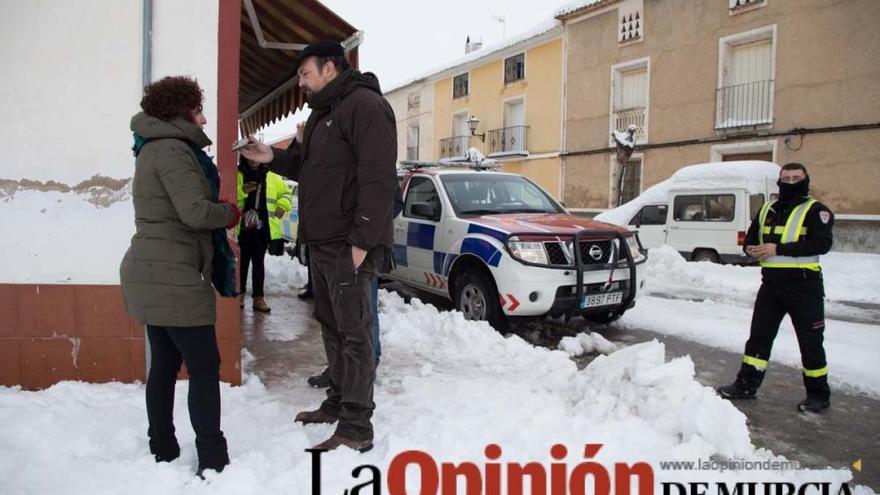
(790, 193)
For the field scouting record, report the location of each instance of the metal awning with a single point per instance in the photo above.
(273, 32)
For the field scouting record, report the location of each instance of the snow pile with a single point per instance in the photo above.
(586, 343)
(474, 155)
(750, 175)
(635, 385)
(446, 386)
(285, 274)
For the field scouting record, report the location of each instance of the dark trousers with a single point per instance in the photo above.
(802, 300)
(343, 308)
(197, 347)
(253, 244)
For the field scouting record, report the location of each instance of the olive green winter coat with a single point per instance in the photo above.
(166, 272)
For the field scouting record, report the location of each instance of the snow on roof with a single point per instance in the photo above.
(751, 175)
(528, 35)
(575, 6)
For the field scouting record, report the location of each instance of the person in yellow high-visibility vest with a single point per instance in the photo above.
(787, 237)
(266, 193)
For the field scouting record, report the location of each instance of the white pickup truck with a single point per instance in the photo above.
(498, 246)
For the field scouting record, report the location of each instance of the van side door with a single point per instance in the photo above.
(650, 222)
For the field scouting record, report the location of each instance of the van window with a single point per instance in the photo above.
(756, 201)
(650, 215)
(704, 208)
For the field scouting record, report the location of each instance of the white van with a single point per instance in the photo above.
(703, 211)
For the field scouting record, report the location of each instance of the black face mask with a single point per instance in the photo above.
(789, 192)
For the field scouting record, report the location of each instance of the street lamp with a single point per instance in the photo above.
(472, 124)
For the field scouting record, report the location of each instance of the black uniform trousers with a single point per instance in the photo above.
(197, 347)
(802, 300)
(342, 307)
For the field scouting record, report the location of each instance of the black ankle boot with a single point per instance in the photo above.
(737, 391)
(165, 449)
(813, 404)
(213, 454)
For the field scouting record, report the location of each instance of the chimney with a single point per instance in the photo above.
(470, 46)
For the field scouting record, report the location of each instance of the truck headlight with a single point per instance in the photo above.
(530, 252)
(633, 245)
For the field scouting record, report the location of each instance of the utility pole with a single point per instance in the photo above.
(503, 21)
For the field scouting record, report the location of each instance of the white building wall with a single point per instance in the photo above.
(72, 80)
(398, 99)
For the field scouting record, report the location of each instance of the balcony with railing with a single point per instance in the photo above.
(454, 148)
(744, 105)
(412, 152)
(507, 141)
(631, 116)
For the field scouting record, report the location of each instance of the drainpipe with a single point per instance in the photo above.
(146, 78)
(147, 44)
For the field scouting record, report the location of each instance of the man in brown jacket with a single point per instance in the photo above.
(344, 162)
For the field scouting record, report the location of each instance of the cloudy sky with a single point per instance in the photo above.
(407, 38)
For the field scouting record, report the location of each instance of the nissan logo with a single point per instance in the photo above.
(595, 252)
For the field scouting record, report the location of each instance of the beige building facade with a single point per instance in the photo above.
(513, 90)
(713, 80)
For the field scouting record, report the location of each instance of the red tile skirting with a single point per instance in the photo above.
(50, 333)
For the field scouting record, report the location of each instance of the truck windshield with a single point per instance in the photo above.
(481, 194)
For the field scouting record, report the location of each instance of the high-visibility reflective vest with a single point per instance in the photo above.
(791, 232)
(278, 195)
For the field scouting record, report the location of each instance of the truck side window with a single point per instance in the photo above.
(421, 190)
(653, 215)
(705, 208)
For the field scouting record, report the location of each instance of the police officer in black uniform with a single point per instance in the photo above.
(787, 237)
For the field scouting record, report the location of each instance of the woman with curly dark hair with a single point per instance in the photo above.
(167, 272)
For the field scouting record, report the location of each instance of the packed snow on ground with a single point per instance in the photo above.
(721, 314)
(446, 386)
(751, 175)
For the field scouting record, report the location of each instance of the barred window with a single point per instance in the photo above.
(515, 68)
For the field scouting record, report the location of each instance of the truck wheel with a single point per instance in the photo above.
(477, 298)
(705, 255)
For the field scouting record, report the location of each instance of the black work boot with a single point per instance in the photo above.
(736, 391)
(813, 404)
(322, 380)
